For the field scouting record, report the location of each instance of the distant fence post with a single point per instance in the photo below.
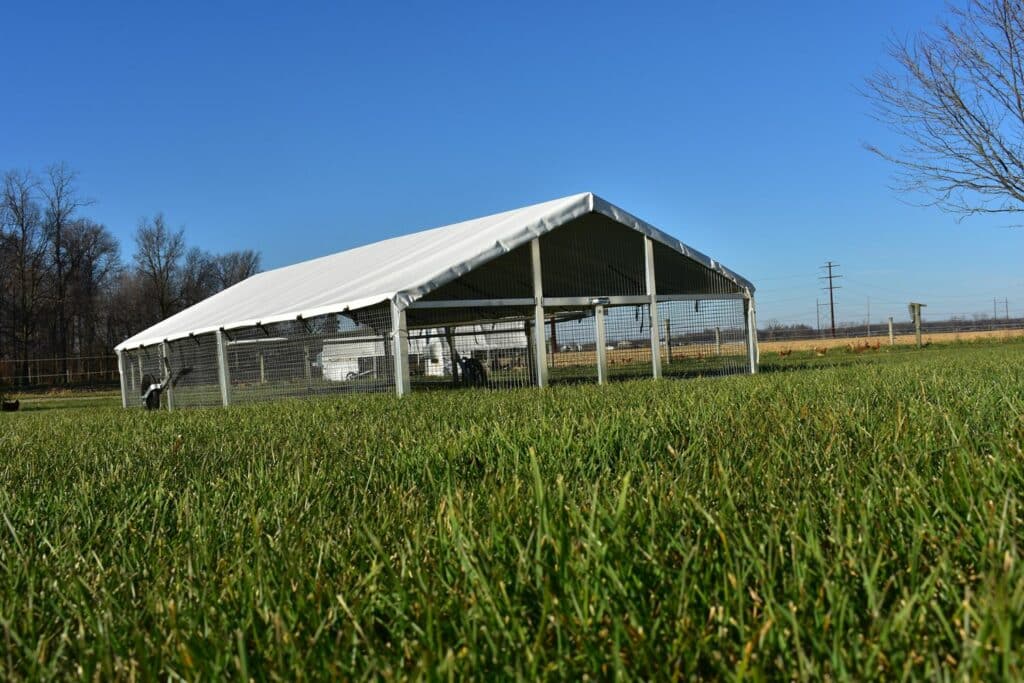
(915, 313)
(892, 339)
(718, 341)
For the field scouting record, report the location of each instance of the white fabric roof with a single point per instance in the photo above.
(401, 269)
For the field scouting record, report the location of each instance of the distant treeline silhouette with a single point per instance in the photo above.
(65, 288)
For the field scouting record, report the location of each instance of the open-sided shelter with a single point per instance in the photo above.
(570, 290)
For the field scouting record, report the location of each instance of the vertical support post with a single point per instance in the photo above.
(223, 378)
(892, 339)
(718, 341)
(652, 294)
(539, 346)
(124, 380)
(751, 333)
(400, 339)
(307, 368)
(453, 353)
(668, 340)
(601, 344)
(530, 374)
(165, 357)
(263, 369)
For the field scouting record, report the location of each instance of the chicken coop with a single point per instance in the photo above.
(570, 290)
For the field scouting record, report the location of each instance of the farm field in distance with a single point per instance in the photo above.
(882, 339)
(853, 516)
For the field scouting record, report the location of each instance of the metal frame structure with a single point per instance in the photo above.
(412, 342)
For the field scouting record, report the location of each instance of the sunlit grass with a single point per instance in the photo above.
(854, 520)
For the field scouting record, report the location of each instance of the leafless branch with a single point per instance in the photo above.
(956, 97)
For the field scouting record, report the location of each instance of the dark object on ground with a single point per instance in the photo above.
(473, 372)
(151, 389)
(10, 406)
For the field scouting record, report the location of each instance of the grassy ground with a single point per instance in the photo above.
(853, 516)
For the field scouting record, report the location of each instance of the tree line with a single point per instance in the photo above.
(65, 288)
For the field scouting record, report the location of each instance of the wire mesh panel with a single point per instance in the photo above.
(192, 367)
(487, 353)
(628, 339)
(139, 363)
(676, 274)
(571, 347)
(592, 256)
(330, 354)
(705, 337)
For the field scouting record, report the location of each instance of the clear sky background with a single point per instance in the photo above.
(301, 129)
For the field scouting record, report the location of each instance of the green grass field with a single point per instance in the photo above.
(854, 516)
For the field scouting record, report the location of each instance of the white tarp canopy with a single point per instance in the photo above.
(401, 269)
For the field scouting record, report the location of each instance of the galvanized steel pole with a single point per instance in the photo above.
(539, 348)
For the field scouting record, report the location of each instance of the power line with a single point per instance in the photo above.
(831, 291)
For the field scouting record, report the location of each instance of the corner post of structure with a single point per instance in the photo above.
(750, 323)
(124, 380)
(223, 379)
(601, 344)
(400, 349)
(540, 350)
(652, 293)
(165, 357)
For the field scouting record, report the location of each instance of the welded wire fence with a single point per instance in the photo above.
(142, 367)
(901, 329)
(487, 353)
(329, 354)
(79, 370)
(703, 337)
(326, 355)
(193, 369)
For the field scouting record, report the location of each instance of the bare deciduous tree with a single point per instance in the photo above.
(94, 263)
(62, 200)
(26, 274)
(956, 96)
(198, 276)
(159, 251)
(235, 266)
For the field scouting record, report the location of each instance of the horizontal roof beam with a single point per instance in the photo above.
(554, 301)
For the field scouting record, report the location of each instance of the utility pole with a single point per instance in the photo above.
(817, 311)
(831, 287)
(1006, 304)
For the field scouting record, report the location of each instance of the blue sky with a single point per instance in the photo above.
(303, 130)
